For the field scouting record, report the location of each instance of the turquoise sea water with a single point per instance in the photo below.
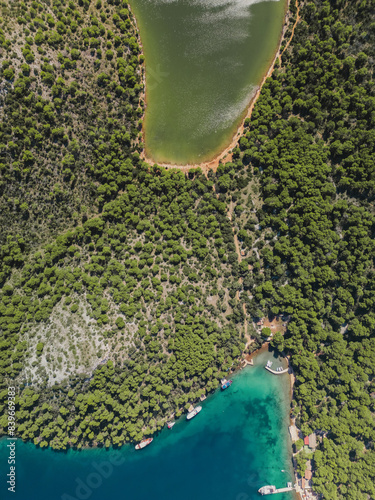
(238, 443)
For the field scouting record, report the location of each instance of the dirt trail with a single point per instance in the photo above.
(214, 163)
(226, 154)
(237, 245)
(239, 256)
(230, 210)
(294, 27)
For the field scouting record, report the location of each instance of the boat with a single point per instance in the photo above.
(192, 414)
(267, 490)
(225, 384)
(170, 424)
(269, 363)
(143, 444)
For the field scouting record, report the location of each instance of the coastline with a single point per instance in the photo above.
(251, 357)
(286, 388)
(213, 163)
(263, 348)
(292, 379)
(230, 434)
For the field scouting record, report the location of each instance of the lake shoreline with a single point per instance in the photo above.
(213, 163)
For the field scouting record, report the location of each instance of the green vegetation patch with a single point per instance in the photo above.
(310, 143)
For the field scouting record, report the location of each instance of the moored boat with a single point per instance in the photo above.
(194, 412)
(170, 424)
(267, 490)
(143, 444)
(225, 383)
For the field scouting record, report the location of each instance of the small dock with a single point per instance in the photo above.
(284, 490)
(272, 490)
(286, 370)
(246, 362)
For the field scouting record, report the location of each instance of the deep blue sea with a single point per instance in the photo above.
(237, 443)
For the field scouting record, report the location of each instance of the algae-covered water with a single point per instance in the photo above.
(204, 60)
(237, 443)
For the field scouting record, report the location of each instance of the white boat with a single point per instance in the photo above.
(170, 424)
(267, 490)
(269, 363)
(143, 444)
(192, 414)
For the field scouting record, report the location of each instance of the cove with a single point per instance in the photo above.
(204, 60)
(237, 443)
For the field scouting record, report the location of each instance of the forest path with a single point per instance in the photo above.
(294, 27)
(239, 256)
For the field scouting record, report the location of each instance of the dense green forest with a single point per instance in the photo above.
(147, 256)
(107, 262)
(71, 88)
(310, 143)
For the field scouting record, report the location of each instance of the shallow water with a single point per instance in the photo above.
(204, 60)
(237, 443)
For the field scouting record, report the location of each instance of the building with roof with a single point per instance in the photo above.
(308, 475)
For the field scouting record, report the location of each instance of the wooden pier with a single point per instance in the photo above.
(286, 370)
(284, 490)
(272, 490)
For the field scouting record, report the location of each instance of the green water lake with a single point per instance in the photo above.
(204, 60)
